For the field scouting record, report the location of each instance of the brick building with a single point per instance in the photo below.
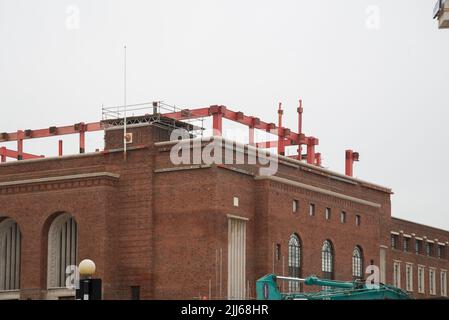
(157, 230)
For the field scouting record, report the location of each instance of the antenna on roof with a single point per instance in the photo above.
(124, 104)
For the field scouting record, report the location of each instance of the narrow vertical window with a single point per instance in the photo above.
(394, 241)
(397, 274)
(62, 249)
(295, 206)
(343, 217)
(421, 288)
(10, 245)
(327, 260)
(443, 285)
(406, 244)
(328, 213)
(294, 262)
(418, 246)
(312, 209)
(441, 251)
(409, 277)
(358, 220)
(357, 263)
(432, 289)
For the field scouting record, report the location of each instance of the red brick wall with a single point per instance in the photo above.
(162, 230)
(417, 230)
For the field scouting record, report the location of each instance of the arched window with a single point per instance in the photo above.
(62, 249)
(327, 260)
(9, 255)
(357, 263)
(294, 262)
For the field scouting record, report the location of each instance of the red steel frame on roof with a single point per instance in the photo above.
(286, 137)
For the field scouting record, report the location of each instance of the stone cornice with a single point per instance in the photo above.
(287, 182)
(59, 182)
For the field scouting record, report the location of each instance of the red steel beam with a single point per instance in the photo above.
(219, 112)
(274, 144)
(189, 114)
(51, 131)
(2, 154)
(14, 154)
(239, 117)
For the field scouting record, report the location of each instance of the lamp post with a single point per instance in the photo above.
(89, 289)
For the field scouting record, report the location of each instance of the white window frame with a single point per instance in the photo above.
(397, 274)
(443, 283)
(343, 217)
(432, 281)
(409, 277)
(328, 213)
(312, 208)
(421, 279)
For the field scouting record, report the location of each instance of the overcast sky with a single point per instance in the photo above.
(373, 76)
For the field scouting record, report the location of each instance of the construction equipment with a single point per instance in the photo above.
(267, 289)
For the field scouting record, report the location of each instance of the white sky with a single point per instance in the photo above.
(373, 76)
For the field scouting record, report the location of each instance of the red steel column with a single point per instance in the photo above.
(318, 159)
(19, 145)
(351, 156)
(251, 136)
(281, 146)
(60, 148)
(217, 123)
(310, 153)
(3, 154)
(82, 130)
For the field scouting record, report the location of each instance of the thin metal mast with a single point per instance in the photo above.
(124, 96)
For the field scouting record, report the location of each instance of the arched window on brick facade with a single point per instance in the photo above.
(10, 239)
(294, 262)
(62, 249)
(357, 263)
(327, 260)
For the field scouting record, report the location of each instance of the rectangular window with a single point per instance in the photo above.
(421, 288)
(441, 251)
(295, 206)
(406, 244)
(418, 246)
(408, 277)
(443, 280)
(343, 217)
(358, 220)
(432, 288)
(312, 209)
(328, 213)
(429, 249)
(397, 274)
(394, 241)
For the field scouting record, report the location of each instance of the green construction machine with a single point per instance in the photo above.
(267, 289)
